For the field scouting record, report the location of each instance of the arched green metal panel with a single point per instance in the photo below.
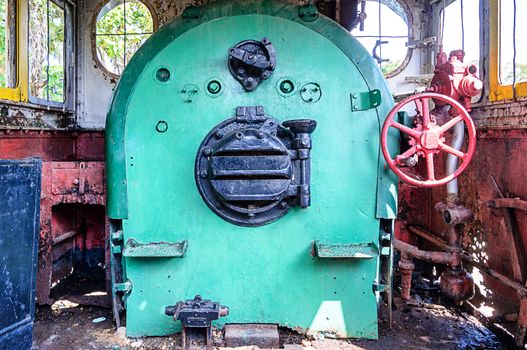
(264, 274)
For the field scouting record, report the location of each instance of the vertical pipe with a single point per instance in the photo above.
(452, 161)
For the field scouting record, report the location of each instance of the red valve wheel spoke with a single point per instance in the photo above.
(428, 141)
(425, 114)
(412, 132)
(407, 154)
(430, 166)
(450, 124)
(452, 151)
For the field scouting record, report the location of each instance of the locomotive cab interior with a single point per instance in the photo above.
(325, 174)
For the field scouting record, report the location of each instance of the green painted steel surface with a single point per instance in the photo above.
(264, 274)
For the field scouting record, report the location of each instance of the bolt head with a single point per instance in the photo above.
(286, 87)
(214, 87)
(203, 173)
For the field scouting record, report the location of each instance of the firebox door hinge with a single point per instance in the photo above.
(362, 101)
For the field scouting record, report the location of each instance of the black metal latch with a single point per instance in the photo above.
(252, 61)
(196, 313)
(251, 169)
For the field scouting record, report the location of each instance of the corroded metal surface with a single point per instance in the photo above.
(488, 239)
(72, 201)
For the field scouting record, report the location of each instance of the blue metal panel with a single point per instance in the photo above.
(19, 227)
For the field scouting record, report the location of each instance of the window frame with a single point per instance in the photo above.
(410, 36)
(69, 57)
(498, 91)
(93, 34)
(19, 92)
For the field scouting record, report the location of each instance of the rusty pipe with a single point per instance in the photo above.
(513, 203)
(447, 258)
(452, 162)
(438, 242)
(406, 266)
(430, 237)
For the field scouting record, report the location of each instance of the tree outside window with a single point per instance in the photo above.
(121, 27)
(7, 43)
(386, 32)
(46, 51)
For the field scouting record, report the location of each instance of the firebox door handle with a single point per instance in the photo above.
(250, 59)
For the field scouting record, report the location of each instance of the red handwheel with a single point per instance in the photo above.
(427, 140)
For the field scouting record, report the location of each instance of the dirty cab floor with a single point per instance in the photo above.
(428, 323)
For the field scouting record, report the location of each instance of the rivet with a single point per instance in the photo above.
(203, 173)
(355, 96)
(261, 135)
(162, 126)
(207, 151)
(355, 107)
(219, 134)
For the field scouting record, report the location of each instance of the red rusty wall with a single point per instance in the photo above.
(500, 154)
(72, 217)
(52, 145)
